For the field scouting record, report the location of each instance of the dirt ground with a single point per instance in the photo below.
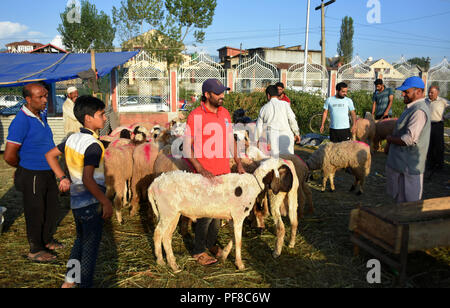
(323, 255)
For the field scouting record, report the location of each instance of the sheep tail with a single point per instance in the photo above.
(151, 199)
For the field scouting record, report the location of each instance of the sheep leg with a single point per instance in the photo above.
(157, 242)
(361, 184)
(109, 192)
(292, 201)
(184, 225)
(118, 206)
(238, 242)
(308, 195)
(324, 181)
(167, 242)
(275, 204)
(227, 249)
(332, 187)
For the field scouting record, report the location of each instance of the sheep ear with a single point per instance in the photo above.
(287, 178)
(267, 180)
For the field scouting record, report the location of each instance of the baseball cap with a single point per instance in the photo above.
(412, 82)
(215, 86)
(71, 89)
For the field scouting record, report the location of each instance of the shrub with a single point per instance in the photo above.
(304, 105)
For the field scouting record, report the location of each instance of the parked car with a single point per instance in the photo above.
(13, 110)
(143, 104)
(9, 100)
(8, 111)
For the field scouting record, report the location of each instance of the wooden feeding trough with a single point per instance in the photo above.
(400, 229)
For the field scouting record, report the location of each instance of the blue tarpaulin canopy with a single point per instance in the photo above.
(19, 69)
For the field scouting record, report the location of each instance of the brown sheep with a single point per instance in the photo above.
(330, 157)
(365, 130)
(302, 170)
(304, 192)
(119, 168)
(383, 129)
(118, 171)
(144, 157)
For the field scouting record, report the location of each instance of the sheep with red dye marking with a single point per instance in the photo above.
(179, 193)
(118, 172)
(119, 167)
(144, 157)
(331, 157)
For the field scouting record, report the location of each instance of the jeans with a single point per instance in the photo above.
(89, 226)
(206, 230)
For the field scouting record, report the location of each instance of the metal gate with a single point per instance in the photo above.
(316, 78)
(357, 75)
(439, 75)
(194, 73)
(145, 86)
(255, 75)
(402, 71)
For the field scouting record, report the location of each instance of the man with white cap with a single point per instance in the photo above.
(71, 124)
(408, 146)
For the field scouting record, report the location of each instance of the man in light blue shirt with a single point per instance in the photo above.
(339, 106)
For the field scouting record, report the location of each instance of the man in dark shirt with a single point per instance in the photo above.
(382, 101)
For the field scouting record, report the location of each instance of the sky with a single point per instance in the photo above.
(386, 29)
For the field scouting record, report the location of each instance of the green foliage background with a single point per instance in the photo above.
(304, 105)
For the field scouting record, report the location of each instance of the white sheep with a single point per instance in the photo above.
(330, 157)
(179, 193)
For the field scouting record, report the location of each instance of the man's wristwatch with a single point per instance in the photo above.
(62, 178)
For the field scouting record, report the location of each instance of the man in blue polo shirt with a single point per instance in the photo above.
(29, 138)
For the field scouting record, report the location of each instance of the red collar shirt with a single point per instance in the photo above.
(213, 137)
(283, 97)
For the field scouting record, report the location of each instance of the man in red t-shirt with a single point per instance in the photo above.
(281, 95)
(209, 131)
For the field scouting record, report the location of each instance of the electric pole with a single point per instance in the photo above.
(322, 7)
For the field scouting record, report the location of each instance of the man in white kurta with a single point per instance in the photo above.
(277, 122)
(71, 124)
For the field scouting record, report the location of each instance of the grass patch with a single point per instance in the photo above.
(322, 257)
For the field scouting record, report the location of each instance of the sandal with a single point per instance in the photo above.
(42, 257)
(216, 251)
(204, 259)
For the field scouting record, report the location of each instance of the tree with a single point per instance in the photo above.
(422, 62)
(171, 20)
(345, 45)
(132, 15)
(94, 31)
